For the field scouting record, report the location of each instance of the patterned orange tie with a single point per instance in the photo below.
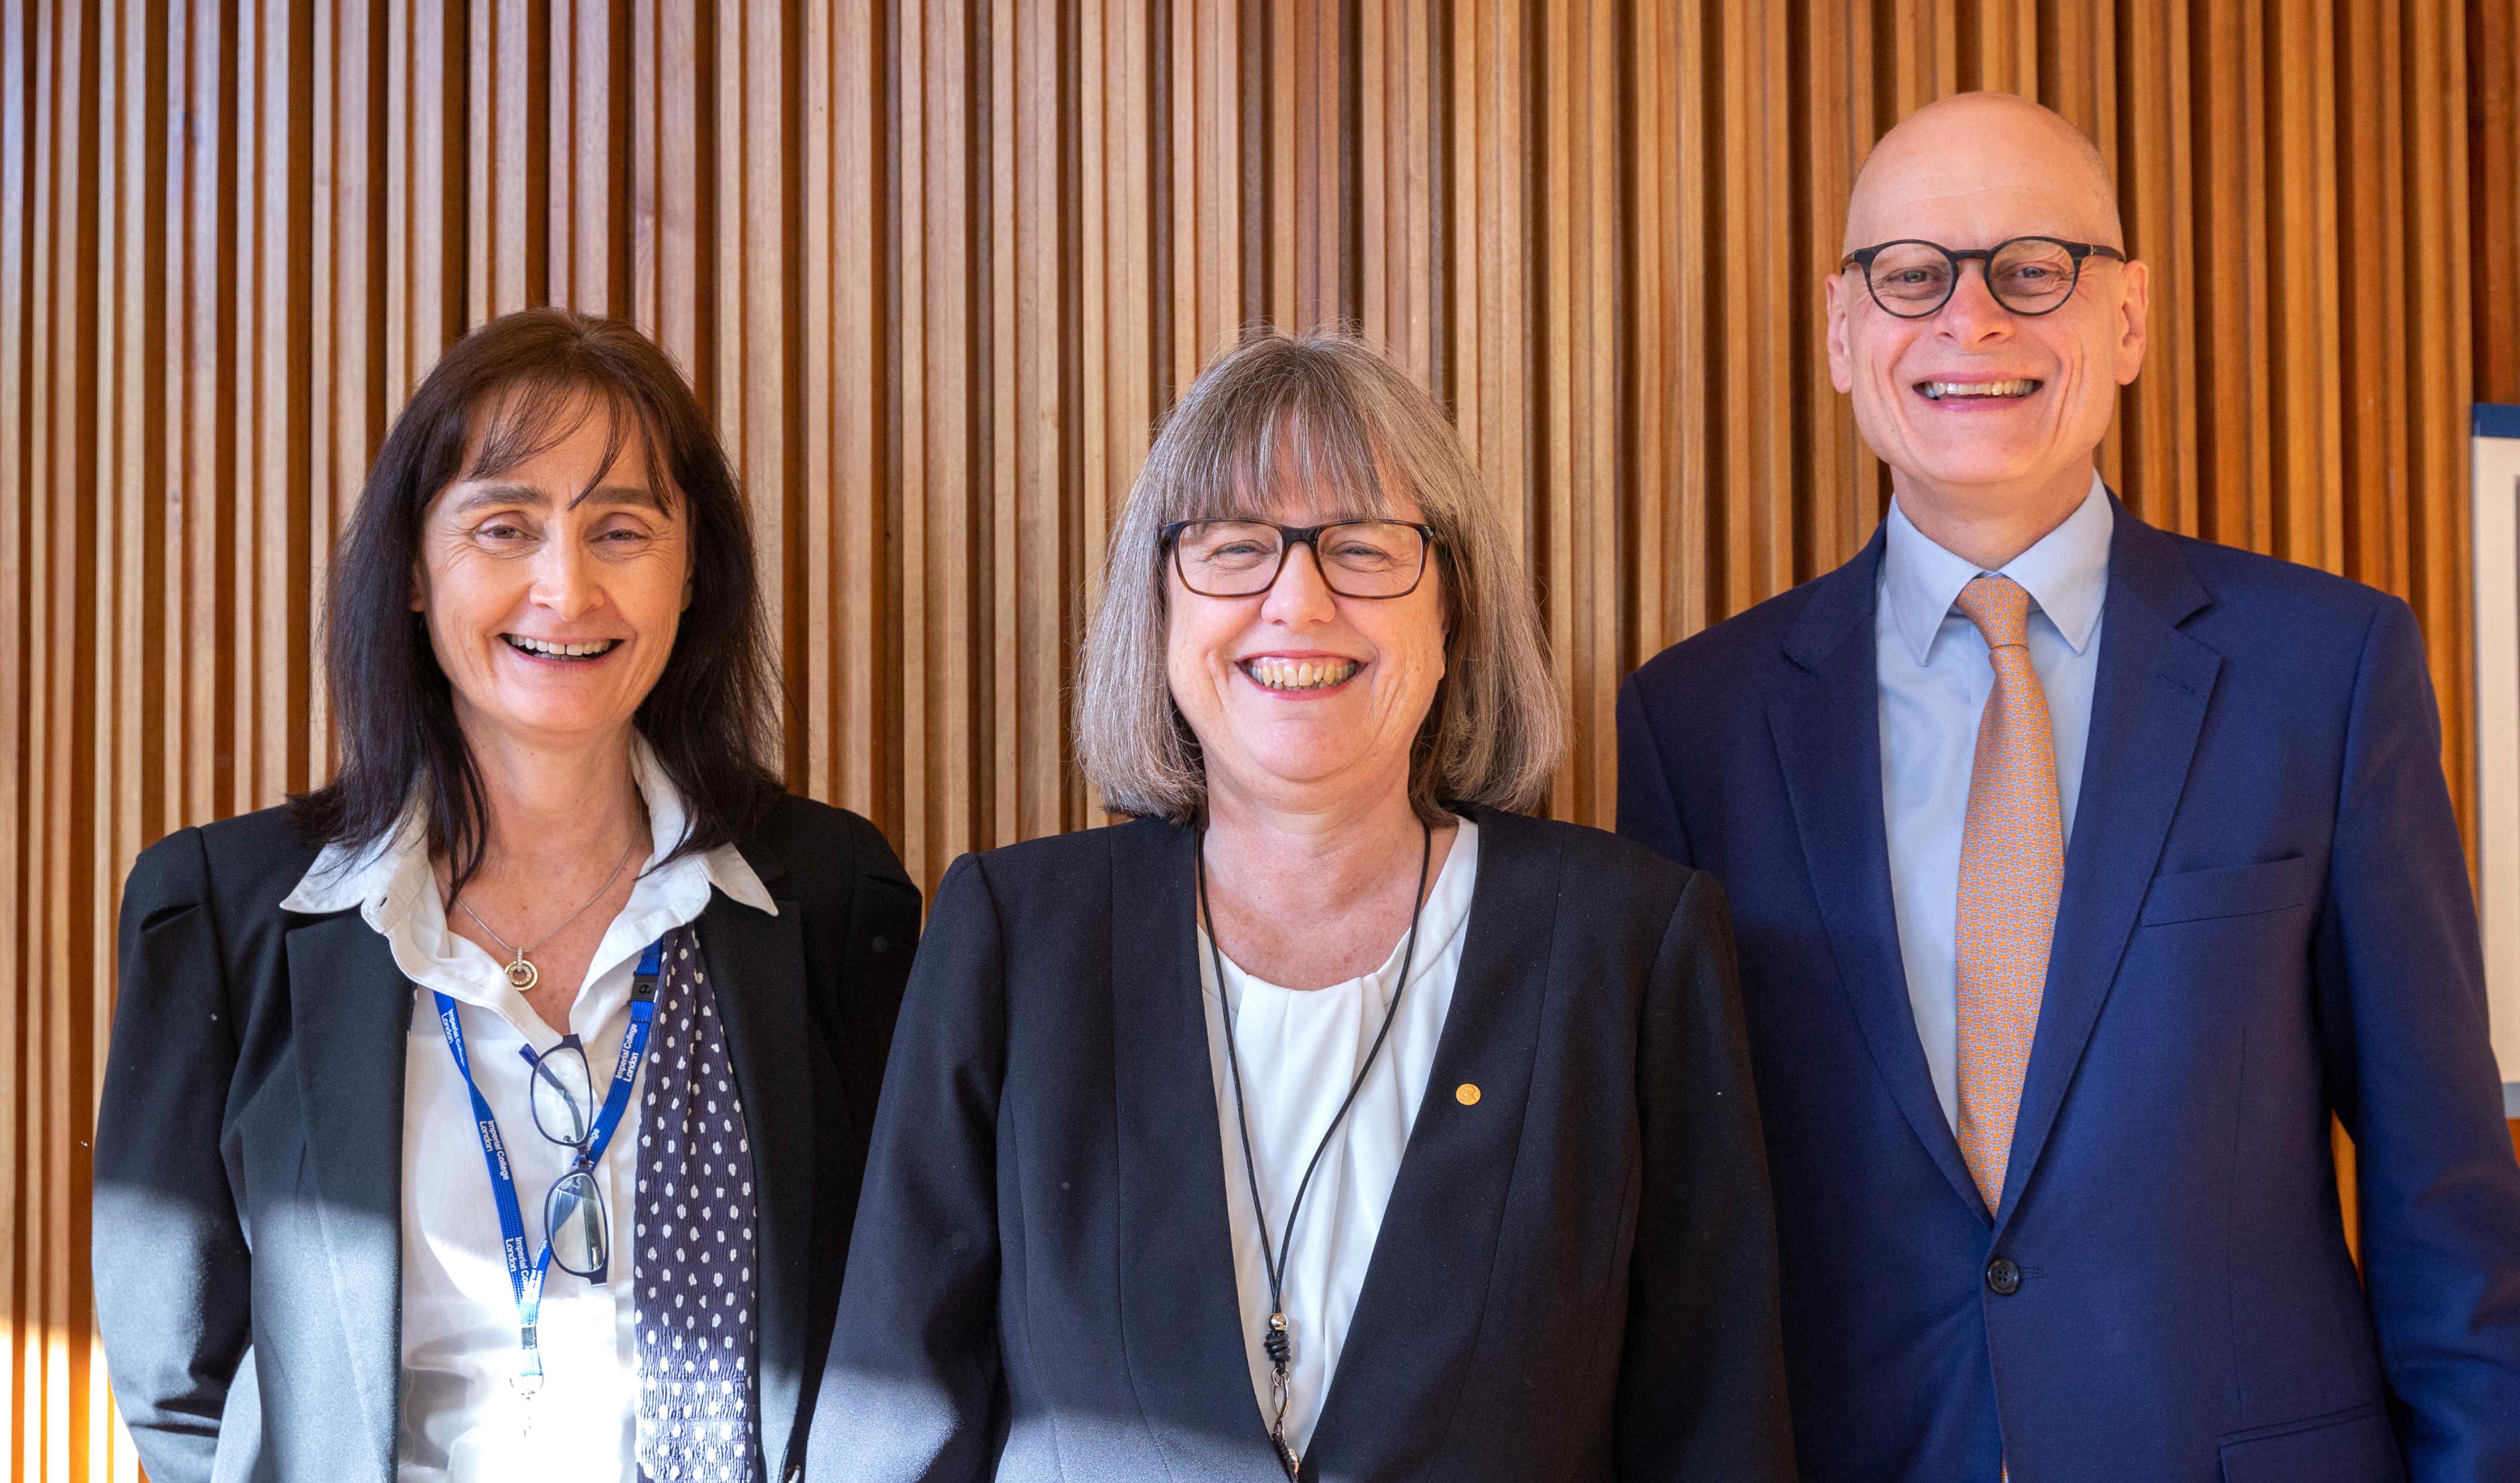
(2012, 870)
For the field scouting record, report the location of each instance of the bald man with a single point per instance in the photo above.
(2081, 873)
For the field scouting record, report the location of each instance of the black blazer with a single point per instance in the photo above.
(248, 1223)
(1576, 1278)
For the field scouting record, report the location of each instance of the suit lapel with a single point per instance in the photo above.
(1181, 1315)
(757, 963)
(1416, 1318)
(2148, 705)
(1827, 733)
(350, 1011)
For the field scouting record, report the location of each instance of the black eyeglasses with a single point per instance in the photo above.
(563, 1104)
(2030, 275)
(1242, 559)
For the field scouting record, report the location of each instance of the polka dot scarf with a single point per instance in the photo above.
(694, 1265)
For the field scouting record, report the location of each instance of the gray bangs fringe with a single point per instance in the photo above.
(1282, 435)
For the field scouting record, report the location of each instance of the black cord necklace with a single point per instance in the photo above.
(1275, 1339)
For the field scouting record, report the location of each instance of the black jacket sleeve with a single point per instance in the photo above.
(172, 1271)
(861, 939)
(858, 1006)
(1702, 1383)
(913, 1387)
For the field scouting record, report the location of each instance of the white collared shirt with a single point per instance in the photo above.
(1299, 1050)
(1935, 677)
(460, 1417)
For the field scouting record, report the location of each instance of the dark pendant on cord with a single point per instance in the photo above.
(1278, 1344)
(1277, 1341)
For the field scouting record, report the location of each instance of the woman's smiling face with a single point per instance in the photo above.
(553, 588)
(1300, 696)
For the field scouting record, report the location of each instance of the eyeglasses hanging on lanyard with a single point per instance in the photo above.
(575, 1220)
(578, 1233)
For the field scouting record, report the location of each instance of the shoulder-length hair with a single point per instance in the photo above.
(509, 392)
(1318, 413)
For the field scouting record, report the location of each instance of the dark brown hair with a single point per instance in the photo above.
(524, 382)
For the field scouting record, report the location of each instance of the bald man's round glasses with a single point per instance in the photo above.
(2027, 275)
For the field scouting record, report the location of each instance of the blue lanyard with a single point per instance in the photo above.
(525, 1273)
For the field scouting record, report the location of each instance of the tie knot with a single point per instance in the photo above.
(2000, 609)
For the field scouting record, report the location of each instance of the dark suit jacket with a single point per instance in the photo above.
(2265, 919)
(249, 1177)
(1575, 1279)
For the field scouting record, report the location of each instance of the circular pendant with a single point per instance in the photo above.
(521, 974)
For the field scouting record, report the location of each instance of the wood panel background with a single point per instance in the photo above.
(938, 266)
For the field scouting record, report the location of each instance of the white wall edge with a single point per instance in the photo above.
(2496, 484)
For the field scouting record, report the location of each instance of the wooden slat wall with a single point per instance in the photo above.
(937, 265)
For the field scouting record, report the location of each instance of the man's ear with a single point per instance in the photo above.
(1841, 364)
(2134, 304)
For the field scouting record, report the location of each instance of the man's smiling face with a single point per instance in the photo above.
(1974, 404)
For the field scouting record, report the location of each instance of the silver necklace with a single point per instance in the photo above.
(520, 972)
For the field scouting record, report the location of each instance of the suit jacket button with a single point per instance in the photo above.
(880, 944)
(2003, 1277)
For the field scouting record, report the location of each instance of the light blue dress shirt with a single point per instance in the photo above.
(1935, 676)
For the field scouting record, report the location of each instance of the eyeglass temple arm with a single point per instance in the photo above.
(562, 1044)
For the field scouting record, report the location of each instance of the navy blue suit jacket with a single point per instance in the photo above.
(2266, 919)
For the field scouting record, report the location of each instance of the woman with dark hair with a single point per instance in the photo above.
(498, 1109)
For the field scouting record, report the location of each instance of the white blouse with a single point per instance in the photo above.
(1300, 1050)
(461, 1421)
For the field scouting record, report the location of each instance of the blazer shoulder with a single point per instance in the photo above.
(236, 872)
(1080, 876)
(249, 864)
(2230, 570)
(824, 858)
(1013, 868)
(805, 834)
(1590, 858)
(2292, 603)
(1723, 656)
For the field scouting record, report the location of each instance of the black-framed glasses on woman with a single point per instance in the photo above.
(565, 1108)
(1242, 559)
(2028, 275)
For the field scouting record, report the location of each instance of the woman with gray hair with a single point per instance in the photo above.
(1334, 1119)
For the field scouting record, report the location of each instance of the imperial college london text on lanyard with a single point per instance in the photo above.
(525, 1273)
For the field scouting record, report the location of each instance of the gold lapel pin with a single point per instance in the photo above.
(1467, 1094)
